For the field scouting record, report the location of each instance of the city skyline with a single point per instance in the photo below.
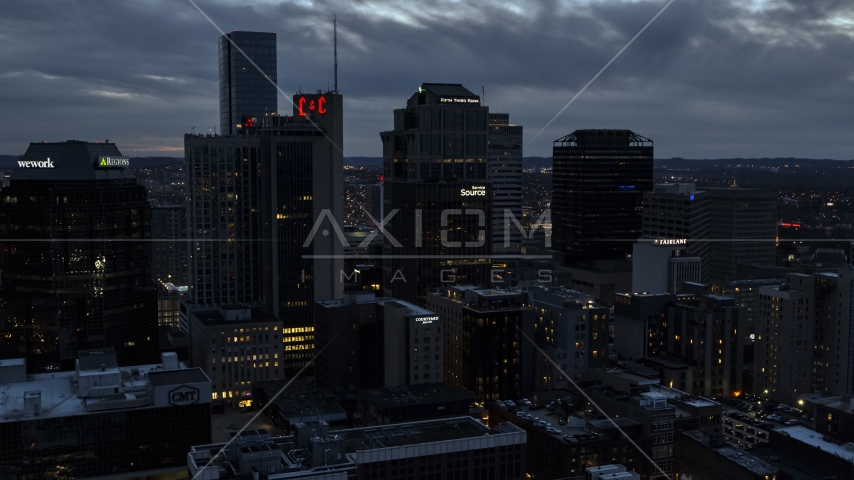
(707, 81)
(452, 313)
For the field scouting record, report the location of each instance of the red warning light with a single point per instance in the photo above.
(382, 178)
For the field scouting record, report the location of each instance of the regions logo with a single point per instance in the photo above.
(48, 163)
(184, 395)
(113, 162)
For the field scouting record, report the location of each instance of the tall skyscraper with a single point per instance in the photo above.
(243, 90)
(744, 229)
(680, 211)
(75, 258)
(504, 171)
(436, 185)
(169, 247)
(598, 182)
(224, 176)
(255, 200)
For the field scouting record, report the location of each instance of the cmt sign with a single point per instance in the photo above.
(317, 104)
(184, 395)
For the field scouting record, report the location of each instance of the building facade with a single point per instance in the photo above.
(436, 184)
(680, 211)
(244, 92)
(504, 170)
(598, 181)
(259, 202)
(572, 331)
(236, 347)
(744, 230)
(458, 447)
(485, 351)
(704, 332)
(661, 266)
(102, 419)
(169, 246)
(785, 338)
(377, 342)
(75, 258)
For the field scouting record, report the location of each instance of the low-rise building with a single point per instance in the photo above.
(705, 456)
(459, 447)
(235, 346)
(302, 401)
(566, 445)
(745, 431)
(663, 413)
(101, 419)
(416, 403)
(571, 329)
(836, 419)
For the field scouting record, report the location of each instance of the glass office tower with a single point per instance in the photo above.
(244, 93)
(75, 262)
(598, 183)
(435, 177)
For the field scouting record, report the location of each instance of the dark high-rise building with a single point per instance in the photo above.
(169, 247)
(224, 219)
(680, 211)
(443, 237)
(244, 92)
(436, 184)
(485, 352)
(599, 179)
(744, 230)
(75, 262)
(504, 171)
(260, 202)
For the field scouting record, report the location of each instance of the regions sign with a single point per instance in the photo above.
(184, 395)
(113, 162)
(47, 163)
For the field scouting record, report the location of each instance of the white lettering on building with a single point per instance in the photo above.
(36, 163)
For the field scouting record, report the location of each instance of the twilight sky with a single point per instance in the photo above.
(708, 79)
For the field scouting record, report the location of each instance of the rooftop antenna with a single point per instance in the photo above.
(335, 47)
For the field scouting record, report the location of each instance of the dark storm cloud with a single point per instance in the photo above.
(707, 79)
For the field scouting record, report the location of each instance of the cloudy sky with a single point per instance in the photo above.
(708, 79)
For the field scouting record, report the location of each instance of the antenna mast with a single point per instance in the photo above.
(335, 47)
